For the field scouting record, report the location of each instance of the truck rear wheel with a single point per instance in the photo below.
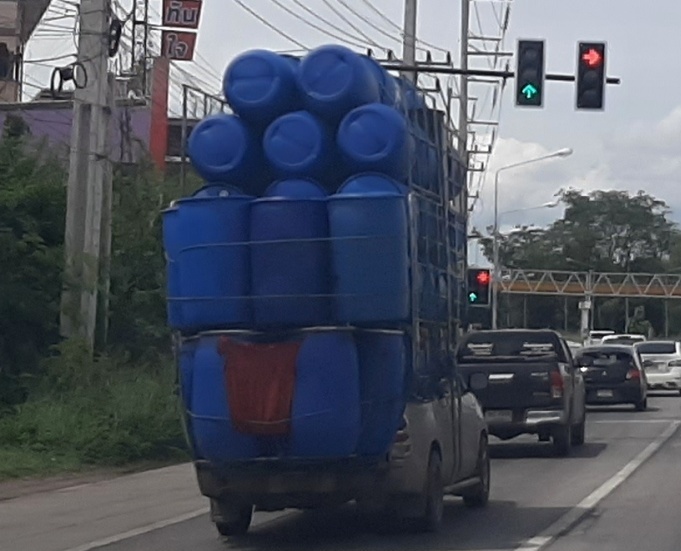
(434, 494)
(562, 440)
(231, 519)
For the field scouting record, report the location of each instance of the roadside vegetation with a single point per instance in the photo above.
(59, 410)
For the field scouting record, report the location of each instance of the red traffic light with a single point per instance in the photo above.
(483, 278)
(592, 58)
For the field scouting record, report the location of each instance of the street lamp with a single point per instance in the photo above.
(566, 152)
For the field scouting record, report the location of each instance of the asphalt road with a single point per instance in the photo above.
(621, 491)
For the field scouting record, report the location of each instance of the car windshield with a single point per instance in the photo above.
(657, 348)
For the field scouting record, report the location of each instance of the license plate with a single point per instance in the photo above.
(604, 394)
(499, 416)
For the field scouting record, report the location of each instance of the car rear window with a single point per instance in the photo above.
(657, 348)
(504, 345)
(623, 340)
(608, 359)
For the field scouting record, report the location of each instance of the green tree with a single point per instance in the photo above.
(606, 231)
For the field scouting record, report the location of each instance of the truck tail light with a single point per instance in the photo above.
(557, 384)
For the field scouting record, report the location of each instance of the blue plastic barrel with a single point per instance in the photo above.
(298, 145)
(224, 149)
(388, 89)
(326, 408)
(214, 262)
(261, 85)
(375, 138)
(290, 255)
(382, 364)
(370, 257)
(411, 97)
(335, 80)
(370, 183)
(172, 243)
(215, 437)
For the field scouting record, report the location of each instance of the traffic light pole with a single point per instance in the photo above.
(443, 70)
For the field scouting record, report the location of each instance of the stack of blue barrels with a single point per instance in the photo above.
(302, 229)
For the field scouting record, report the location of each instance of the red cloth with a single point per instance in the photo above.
(260, 380)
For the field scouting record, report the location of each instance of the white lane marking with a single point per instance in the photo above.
(574, 515)
(97, 544)
(634, 421)
(140, 531)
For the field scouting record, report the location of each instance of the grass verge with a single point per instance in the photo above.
(112, 415)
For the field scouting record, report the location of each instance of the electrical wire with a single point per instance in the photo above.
(270, 25)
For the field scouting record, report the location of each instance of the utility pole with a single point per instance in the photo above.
(409, 39)
(89, 175)
(463, 84)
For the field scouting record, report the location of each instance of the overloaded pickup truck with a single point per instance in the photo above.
(527, 383)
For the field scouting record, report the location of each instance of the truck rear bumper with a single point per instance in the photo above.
(530, 421)
(277, 484)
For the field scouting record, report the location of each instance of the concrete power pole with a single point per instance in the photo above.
(89, 175)
(409, 39)
(463, 84)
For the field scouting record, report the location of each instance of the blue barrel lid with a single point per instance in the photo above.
(372, 130)
(372, 183)
(213, 148)
(298, 188)
(335, 79)
(208, 199)
(260, 85)
(295, 141)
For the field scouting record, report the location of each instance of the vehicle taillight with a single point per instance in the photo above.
(633, 375)
(557, 384)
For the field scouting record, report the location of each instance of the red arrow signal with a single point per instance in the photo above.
(592, 58)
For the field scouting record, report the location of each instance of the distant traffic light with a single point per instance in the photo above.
(591, 75)
(479, 286)
(529, 75)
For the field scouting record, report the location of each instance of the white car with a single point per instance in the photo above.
(596, 336)
(662, 364)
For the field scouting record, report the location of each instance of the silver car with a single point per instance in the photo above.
(662, 364)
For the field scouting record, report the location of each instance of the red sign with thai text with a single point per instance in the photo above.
(178, 45)
(181, 14)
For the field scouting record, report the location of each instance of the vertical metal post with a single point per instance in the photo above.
(495, 255)
(666, 318)
(185, 132)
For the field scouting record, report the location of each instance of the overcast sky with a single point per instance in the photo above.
(635, 144)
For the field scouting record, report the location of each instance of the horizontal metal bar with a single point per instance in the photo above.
(480, 72)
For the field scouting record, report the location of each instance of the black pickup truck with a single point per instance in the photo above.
(527, 383)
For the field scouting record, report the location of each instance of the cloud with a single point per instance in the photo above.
(641, 157)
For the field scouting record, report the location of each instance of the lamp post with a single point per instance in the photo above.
(566, 152)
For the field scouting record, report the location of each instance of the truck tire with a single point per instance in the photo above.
(578, 432)
(231, 519)
(562, 440)
(434, 494)
(478, 495)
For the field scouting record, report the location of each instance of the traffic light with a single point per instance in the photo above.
(590, 75)
(529, 75)
(479, 285)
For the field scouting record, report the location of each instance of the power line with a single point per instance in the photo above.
(270, 25)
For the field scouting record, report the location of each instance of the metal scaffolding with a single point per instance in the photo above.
(590, 284)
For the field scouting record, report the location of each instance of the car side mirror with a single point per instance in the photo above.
(478, 381)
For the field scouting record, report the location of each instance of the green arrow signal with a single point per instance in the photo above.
(529, 91)
(473, 297)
